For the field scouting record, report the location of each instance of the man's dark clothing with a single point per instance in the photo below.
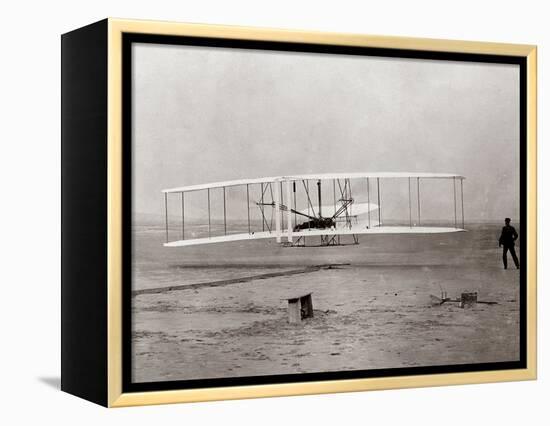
(507, 241)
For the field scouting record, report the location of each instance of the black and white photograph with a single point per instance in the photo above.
(297, 212)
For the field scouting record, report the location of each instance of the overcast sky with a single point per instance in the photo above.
(211, 114)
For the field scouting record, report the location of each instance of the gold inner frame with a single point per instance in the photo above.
(116, 27)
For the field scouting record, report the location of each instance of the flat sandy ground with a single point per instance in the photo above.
(372, 310)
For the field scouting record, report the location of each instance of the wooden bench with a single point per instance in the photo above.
(299, 307)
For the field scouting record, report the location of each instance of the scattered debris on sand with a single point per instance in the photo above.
(466, 299)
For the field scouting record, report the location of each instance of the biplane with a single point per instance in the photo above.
(318, 208)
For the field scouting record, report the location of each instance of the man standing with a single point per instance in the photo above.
(507, 242)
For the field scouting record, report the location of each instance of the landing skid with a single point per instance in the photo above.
(325, 241)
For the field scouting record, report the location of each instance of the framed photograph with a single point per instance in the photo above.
(254, 212)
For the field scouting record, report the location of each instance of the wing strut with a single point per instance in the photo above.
(462, 200)
(410, 212)
(262, 205)
(319, 197)
(454, 196)
(418, 195)
(208, 192)
(166, 214)
(278, 213)
(183, 215)
(379, 205)
(310, 204)
(334, 194)
(262, 208)
(289, 211)
(294, 190)
(345, 201)
(248, 206)
(224, 214)
(368, 198)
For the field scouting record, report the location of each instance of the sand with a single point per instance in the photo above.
(221, 310)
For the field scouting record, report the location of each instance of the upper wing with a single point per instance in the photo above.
(320, 176)
(222, 184)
